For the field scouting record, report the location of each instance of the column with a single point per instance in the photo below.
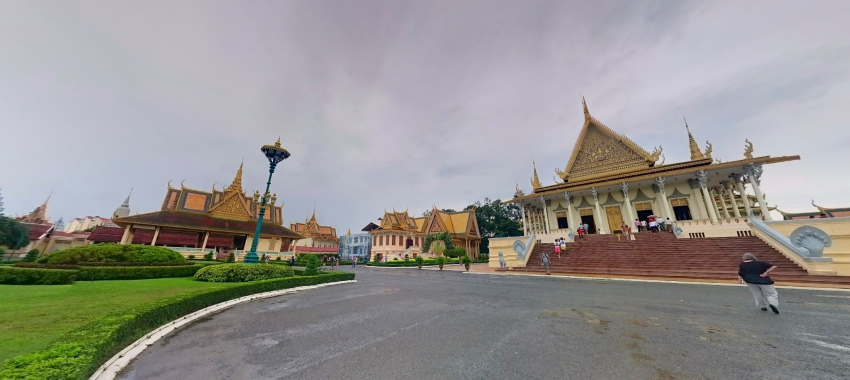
(597, 210)
(630, 210)
(524, 223)
(702, 176)
(156, 235)
(545, 214)
(754, 172)
(743, 191)
(728, 186)
(665, 203)
(126, 234)
(699, 209)
(719, 191)
(207, 237)
(571, 219)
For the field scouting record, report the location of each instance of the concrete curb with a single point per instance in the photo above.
(424, 267)
(117, 363)
(654, 281)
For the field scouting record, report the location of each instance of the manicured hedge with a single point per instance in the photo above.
(411, 263)
(134, 264)
(78, 354)
(31, 276)
(46, 266)
(113, 253)
(99, 273)
(242, 272)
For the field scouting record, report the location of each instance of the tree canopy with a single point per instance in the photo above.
(497, 219)
(13, 234)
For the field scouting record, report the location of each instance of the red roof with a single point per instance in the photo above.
(36, 230)
(205, 222)
(103, 234)
(317, 249)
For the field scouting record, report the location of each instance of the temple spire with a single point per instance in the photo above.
(127, 200)
(535, 181)
(696, 154)
(237, 181)
(584, 105)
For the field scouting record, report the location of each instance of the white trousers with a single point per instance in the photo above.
(764, 295)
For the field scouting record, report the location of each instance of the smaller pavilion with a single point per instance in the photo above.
(822, 212)
(400, 234)
(318, 239)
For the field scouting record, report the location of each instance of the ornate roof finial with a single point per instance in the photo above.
(314, 212)
(692, 144)
(348, 233)
(236, 185)
(535, 181)
(519, 192)
(277, 143)
(748, 149)
(584, 105)
(708, 149)
(127, 201)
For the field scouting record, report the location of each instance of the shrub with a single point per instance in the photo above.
(406, 257)
(242, 272)
(208, 256)
(96, 264)
(31, 256)
(419, 260)
(101, 273)
(45, 266)
(455, 252)
(441, 260)
(231, 258)
(191, 257)
(465, 260)
(31, 276)
(277, 259)
(312, 265)
(78, 354)
(113, 253)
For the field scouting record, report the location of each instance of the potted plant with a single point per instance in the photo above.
(419, 260)
(466, 261)
(441, 260)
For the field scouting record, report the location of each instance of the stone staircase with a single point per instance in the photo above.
(662, 255)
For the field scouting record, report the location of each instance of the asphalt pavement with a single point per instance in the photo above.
(424, 324)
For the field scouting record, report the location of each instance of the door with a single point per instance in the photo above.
(615, 218)
(408, 243)
(591, 225)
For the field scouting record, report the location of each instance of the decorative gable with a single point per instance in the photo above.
(232, 207)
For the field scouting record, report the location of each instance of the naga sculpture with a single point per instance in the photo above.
(748, 149)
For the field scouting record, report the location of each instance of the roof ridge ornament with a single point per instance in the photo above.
(535, 181)
(696, 154)
(584, 105)
(708, 149)
(748, 149)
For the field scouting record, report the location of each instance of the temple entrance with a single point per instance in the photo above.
(681, 209)
(239, 242)
(587, 218)
(562, 220)
(615, 218)
(408, 243)
(644, 210)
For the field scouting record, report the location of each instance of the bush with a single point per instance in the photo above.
(441, 260)
(455, 252)
(191, 257)
(113, 253)
(277, 259)
(465, 260)
(45, 266)
(231, 258)
(30, 276)
(242, 272)
(208, 256)
(78, 354)
(31, 256)
(96, 264)
(419, 260)
(312, 268)
(101, 273)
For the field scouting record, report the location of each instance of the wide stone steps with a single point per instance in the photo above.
(662, 255)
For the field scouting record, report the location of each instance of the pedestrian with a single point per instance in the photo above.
(668, 225)
(354, 262)
(642, 226)
(563, 245)
(637, 225)
(653, 226)
(324, 260)
(661, 225)
(267, 259)
(585, 227)
(545, 258)
(625, 231)
(558, 248)
(755, 274)
(292, 261)
(578, 232)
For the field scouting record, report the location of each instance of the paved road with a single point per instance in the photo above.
(412, 324)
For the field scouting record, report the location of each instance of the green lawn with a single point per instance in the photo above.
(32, 316)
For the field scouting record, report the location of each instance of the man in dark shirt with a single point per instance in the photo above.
(755, 274)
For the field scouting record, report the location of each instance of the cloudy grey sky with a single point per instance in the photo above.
(405, 104)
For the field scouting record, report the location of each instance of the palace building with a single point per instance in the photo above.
(400, 234)
(317, 239)
(610, 180)
(218, 219)
(357, 245)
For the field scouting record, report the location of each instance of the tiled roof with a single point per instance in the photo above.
(317, 249)
(102, 234)
(203, 222)
(36, 230)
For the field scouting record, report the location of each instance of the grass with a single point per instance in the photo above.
(32, 316)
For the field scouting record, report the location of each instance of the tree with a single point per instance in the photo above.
(442, 236)
(31, 256)
(312, 268)
(13, 234)
(231, 258)
(497, 219)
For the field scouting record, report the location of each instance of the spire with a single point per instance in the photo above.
(127, 201)
(237, 181)
(314, 212)
(696, 154)
(584, 105)
(535, 181)
(349, 232)
(124, 209)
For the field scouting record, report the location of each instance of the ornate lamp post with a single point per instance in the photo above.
(275, 153)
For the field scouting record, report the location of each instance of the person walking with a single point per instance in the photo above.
(545, 258)
(585, 227)
(755, 274)
(324, 260)
(625, 231)
(558, 247)
(637, 225)
(563, 246)
(642, 226)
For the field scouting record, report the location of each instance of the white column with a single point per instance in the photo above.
(728, 186)
(126, 234)
(524, 223)
(754, 172)
(744, 198)
(665, 203)
(719, 191)
(630, 210)
(545, 214)
(155, 235)
(702, 176)
(597, 211)
(571, 220)
(207, 237)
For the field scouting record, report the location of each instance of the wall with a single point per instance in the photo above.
(506, 246)
(704, 229)
(838, 230)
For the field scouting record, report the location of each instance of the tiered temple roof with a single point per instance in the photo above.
(311, 229)
(822, 212)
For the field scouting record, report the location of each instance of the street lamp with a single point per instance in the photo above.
(275, 153)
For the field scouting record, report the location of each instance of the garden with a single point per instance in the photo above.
(65, 314)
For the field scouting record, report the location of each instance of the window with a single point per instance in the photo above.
(562, 219)
(393, 239)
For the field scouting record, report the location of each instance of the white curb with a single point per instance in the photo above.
(115, 364)
(655, 281)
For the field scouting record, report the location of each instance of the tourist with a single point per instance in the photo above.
(661, 226)
(545, 258)
(642, 226)
(563, 245)
(625, 231)
(579, 232)
(755, 274)
(653, 225)
(585, 227)
(668, 225)
(292, 261)
(637, 225)
(267, 259)
(558, 248)
(324, 260)
(354, 262)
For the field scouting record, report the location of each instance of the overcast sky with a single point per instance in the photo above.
(405, 104)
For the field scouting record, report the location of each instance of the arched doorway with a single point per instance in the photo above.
(408, 243)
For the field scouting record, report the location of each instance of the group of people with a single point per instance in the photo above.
(651, 224)
(331, 261)
(582, 230)
(560, 246)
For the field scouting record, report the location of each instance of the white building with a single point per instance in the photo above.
(358, 245)
(82, 224)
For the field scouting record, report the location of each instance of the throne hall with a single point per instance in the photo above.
(610, 180)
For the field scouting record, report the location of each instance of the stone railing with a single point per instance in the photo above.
(551, 236)
(812, 262)
(703, 228)
(511, 252)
